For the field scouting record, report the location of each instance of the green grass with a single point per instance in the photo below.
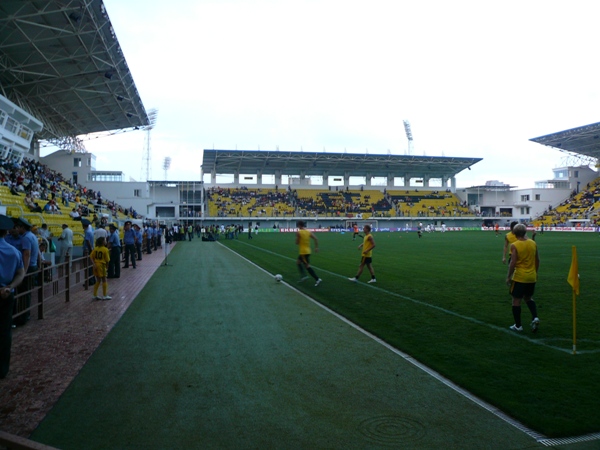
(442, 299)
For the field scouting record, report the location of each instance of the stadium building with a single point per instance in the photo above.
(65, 76)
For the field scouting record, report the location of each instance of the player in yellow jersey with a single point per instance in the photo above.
(522, 276)
(100, 258)
(367, 255)
(509, 238)
(303, 237)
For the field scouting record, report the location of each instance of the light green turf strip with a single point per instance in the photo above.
(214, 354)
(541, 342)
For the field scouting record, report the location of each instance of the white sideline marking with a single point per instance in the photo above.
(542, 342)
(540, 438)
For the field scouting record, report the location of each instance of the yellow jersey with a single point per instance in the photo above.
(368, 244)
(100, 255)
(304, 242)
(525, 267)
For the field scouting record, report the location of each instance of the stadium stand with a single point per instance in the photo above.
(584, 206)
(419, 203)
(244, 202)
(41, 195)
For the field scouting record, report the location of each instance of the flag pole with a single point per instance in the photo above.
(573, 280)
(574, 322)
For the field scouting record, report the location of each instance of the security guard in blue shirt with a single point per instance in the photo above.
(114, 245)
(149, 239)
(129, 240)
(12, 273)
(30, 250)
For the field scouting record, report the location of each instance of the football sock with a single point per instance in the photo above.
(104, 288)
(312, 273)
(516, 310)
(533, 308)
(96, 286)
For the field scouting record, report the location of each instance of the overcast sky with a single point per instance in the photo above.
(474, 78)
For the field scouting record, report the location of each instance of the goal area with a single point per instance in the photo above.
(361, 223)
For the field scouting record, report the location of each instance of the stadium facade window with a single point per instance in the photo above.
(12, 125)
(137, 193)
(76, 162)
(538, 197)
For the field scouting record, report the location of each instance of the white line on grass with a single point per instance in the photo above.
(492, 409)
(542, 342)
(540, 438)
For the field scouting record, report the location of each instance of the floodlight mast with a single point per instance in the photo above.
(166, 165)
(147, 154)
(409, 136)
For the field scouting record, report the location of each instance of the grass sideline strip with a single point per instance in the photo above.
(551, 391)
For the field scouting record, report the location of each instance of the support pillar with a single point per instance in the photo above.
(390, 180)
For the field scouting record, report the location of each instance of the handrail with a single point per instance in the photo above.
(76, 269)
(13, 442)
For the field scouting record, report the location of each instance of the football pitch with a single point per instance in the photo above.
(442, 299)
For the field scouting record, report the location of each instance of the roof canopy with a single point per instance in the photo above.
(295, 163)
(582, 140)
(60, 60)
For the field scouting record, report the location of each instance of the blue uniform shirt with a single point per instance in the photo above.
(114, 239)
(129, 237)
(14, 241)
(11, 260)
(30, 242)
(88, 237)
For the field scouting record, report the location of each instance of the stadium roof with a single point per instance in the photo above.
(60, 60)
(294, 163)
(582, 140)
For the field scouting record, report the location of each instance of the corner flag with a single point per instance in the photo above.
(573, 278)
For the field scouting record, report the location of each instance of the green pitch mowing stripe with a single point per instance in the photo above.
(422, 367)
(215, 354)
(442, 299)
(543, 342)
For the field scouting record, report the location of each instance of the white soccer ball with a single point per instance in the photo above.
(278, 278)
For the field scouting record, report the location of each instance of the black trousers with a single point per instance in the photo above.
(114, 265)
(129, 253)
(6, 312)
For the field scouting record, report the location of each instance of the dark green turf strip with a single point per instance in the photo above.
(215, 354)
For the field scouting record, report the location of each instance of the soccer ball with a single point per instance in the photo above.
(278, 278)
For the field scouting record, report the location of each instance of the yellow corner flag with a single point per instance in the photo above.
(573, 277)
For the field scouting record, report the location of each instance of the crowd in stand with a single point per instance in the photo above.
(341, 202)
(44, 186)
(582, 205)
(233, 202)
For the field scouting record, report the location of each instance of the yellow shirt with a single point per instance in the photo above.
(304, 242)
(367, 248)
(511, 238)
(100, 255)
(525, 267)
